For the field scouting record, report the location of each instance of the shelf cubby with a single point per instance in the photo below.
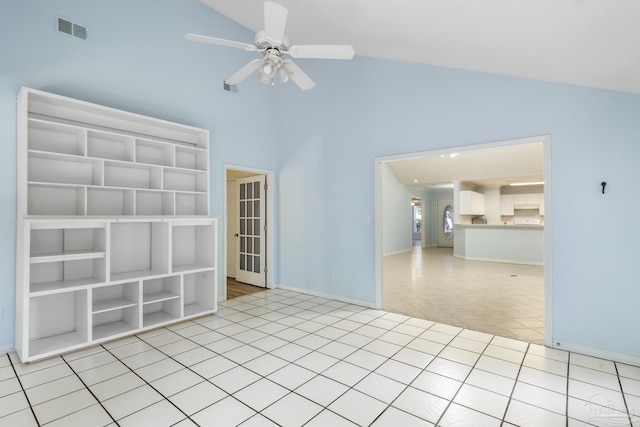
(198, 296)
(56, 138)
(191, 158)
(115, 297)
(155, 203)
(110, 201)
(191, 204)
(55, 200)
(115, 322)
(57, 322)
(139, 249)
(110, 146)
(132, 175)
(160, 312)
(72, 243)
(154, 152)
(184, 180)
(193, 246)
(65, 274)
(161, 300)
(115, 309)
(160, 289)
(62, 169)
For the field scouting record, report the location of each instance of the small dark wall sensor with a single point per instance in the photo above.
(604, 184)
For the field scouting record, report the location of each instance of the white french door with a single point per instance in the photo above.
(251, 256)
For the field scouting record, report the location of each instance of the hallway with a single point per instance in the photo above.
(501, 299)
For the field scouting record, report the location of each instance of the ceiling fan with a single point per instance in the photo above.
(274, 45)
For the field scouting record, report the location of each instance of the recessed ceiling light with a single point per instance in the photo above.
(415, 180)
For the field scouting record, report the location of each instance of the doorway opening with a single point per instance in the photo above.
(447, 275)
(249, 230)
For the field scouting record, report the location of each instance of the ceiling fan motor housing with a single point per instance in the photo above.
(261, 42)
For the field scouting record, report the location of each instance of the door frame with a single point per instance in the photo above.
(548, 217)
(270, 246)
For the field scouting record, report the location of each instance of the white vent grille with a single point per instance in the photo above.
(71, 28)
(80, 31)
(229, 88)
(65, 26)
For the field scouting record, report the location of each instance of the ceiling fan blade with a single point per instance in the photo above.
(219, 42)
(275, 22)
(324, 51)
(298, 76)
(244, 72)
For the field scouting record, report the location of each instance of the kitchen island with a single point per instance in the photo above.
(517, 244)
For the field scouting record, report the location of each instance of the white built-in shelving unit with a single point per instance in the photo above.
(113, 229)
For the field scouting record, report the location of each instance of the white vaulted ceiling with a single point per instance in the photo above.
(594, 43)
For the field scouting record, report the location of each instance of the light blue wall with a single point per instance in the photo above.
(328, 138)
(396, 213)
(370, 108)
(135, 59)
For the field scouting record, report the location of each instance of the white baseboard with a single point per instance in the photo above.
(340, 298)
(398, 252)
(502, 261)
(597, 352)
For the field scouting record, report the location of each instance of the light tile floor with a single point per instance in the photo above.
(497, 298)
(284, 358)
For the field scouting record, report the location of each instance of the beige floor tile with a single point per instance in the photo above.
(496, 298)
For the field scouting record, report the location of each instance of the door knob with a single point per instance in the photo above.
(236, 235)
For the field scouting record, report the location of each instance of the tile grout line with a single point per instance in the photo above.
(89, 390)
(463, 382)
(317, 374)
(339, 360)
(333, 340)
(390, 358)
(624, 399)
(166, 398)
(23, 390)
(515, 383)
(567, 389)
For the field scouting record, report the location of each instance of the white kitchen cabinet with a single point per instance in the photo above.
(471, 203)
(506, 205)
(541, 195)
(526, 201)
(113, 229)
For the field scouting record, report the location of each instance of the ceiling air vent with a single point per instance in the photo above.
(229, 88)
(65, 26)
(71, 28)
(80, 31)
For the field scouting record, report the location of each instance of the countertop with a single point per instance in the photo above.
(531, 226)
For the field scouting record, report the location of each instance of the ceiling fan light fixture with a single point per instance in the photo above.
(284, 74)
(274, 45)
(265, 78)
(267, 68)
